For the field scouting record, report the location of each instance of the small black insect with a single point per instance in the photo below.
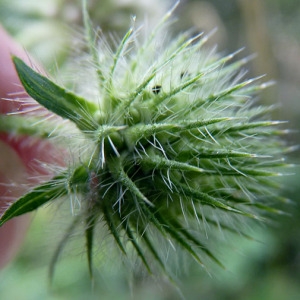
(156, 89)
(184, 74)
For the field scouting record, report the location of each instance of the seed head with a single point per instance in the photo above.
(171, 140)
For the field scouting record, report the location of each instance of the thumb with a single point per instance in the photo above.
(21, 157)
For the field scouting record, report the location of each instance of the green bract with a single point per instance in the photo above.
(170, 141)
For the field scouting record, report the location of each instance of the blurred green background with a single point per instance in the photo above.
(267, 268)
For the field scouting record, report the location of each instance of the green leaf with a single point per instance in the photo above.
(204, 153)
(55, 98)
(247, 126)
(160, 100)
(218, 224)
(229, 91)
(58, 186)
(42, 194)
(133, 240)
(89, 237)
(173, 232)
(188, 125)
(123, 44)
(111, 226)
(139, 131)
(151, 248)
(195, 241)
(247, 172)
(158, 162)
(206, 199)
(116, 169)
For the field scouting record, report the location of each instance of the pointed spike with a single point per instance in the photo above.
(152, 249)
(91, 40)
(133, 240)
(158, 162)
(120, 175)
(119, 52)
(89, 237)
(206, 199)
(112, 228)
(195, 241)
(173, 232)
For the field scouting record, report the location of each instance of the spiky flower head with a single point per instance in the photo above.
(164, 140)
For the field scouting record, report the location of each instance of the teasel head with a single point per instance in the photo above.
(165, 141)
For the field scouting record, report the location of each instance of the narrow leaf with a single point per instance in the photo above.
(112, 228)
(247, 126)
(91, 40)
(219, 224)
(120, 175)
(188, 125)
(154, 71)
(57, 187)
(229, 91)
(152, 250)
(160, 100)
(55, 98)
(134, 133)
(89, 237)
(247, 172)
(173, 232)
(118, 54)
(195, 241)
(135, 244)
(158, 162)
(40, 195)
(206, 199)
(204, 153)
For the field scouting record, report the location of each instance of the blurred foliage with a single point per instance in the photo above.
(266, 269)
(45, 27)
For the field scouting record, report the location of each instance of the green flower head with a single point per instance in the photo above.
(165, 140)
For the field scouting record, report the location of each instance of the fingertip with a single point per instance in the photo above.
(9, 82)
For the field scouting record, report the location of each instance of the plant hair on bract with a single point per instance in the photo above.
(171, 148)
